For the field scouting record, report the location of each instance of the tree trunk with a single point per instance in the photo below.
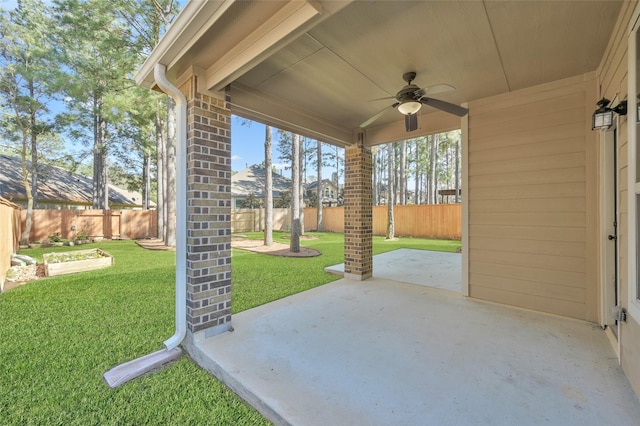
(374, 169)
(268, 189)
(24, 240)
(416, 195)
(104, 184)
(170, 196)
(146, 179)
(319, 205)
(457, 172)
(295, 195)
(160, 146)
(391, 192)
(432, 171)
(434, 180)
(34, 149)
(303, 167)
(403, 173)
(96, 154)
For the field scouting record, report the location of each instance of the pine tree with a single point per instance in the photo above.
(25, 87)
(295, 195)
(268, 188)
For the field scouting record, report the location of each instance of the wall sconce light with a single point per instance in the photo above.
(603, 116)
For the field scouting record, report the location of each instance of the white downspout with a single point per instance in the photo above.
(160, 76)
(137, 367)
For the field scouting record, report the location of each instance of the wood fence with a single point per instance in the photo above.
(441, 221)
(423, 220)
(252, 220)
(125, 224)
(9, 236)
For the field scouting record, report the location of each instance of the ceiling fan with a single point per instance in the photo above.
(409, 101)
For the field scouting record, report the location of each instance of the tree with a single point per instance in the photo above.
(284, 201)
(295, 195)
(312, 198)
(418, 153)
(432, 193)
(251, 202)
(148, 20)
(268, 189)
(319, 164)
(390, 195)
(374, 154)
(25, 86)
(402, 178)
(170, 169)
(97, 55)
(457, 172)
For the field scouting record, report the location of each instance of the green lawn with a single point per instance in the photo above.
(59, 335)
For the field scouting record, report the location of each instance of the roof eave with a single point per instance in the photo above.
(196, 17)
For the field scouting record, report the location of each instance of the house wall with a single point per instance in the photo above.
(532, 198)
(613, 80)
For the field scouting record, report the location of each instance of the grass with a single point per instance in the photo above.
(59, 335)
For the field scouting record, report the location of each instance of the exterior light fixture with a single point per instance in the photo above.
(603, 116)
(409, 107)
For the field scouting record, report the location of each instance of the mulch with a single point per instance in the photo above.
(257, 246)
(276, 249)
(154, 244)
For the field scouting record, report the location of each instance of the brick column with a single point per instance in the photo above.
(358, 213)
(208, 212)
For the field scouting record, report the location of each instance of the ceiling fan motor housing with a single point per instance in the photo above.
(407, 93)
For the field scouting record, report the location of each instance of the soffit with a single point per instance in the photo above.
(324, 78)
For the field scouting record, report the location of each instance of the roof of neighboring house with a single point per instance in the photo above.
(57, 185)
(313, 185)
(251, 181)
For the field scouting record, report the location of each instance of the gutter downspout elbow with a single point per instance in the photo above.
(181, 204)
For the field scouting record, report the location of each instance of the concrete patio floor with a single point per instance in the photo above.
(382, 352)
(435, 269)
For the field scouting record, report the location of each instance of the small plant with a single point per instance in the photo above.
(82, 235)
(55, 238)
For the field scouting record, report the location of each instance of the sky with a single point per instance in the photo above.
(247, 149)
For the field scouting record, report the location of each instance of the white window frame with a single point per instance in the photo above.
(634, 186)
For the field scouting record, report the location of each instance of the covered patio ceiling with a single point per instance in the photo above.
(317, 67)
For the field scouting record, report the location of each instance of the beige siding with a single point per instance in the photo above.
(613, 81)
(531, 198)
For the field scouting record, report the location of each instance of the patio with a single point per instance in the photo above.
(384, 352)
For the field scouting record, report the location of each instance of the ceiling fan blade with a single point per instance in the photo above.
(445, 106)
(439, 88)
(382, 99)
(411, 122)
(378, 115)
(432, 90)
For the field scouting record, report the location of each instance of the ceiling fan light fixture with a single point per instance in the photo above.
(409, 107)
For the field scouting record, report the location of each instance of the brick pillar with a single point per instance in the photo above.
(358, 213)
(208, 211)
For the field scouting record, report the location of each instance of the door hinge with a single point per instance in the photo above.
(619, 314)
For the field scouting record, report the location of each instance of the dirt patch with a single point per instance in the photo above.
(276, 249)
(18, 275)
(154, 244)
(302, 237)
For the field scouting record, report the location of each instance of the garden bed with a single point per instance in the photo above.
(71, 262)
